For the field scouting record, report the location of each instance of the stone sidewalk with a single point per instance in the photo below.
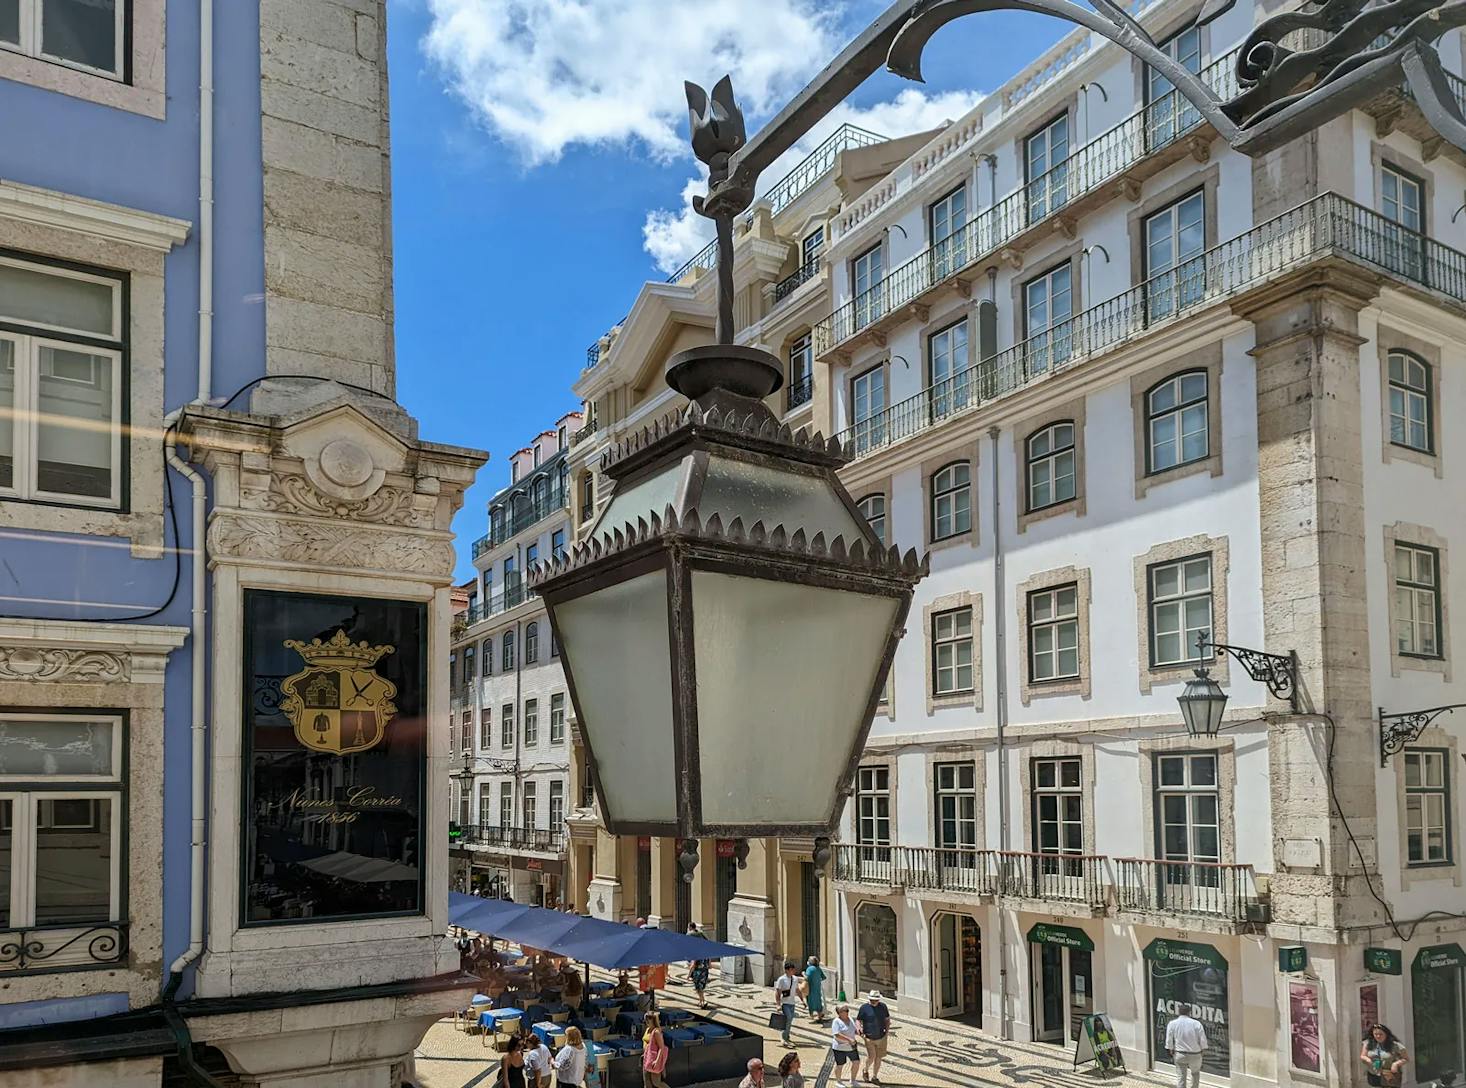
(935, 1053)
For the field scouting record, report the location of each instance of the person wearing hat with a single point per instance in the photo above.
(786, 996)
(874, 1020)
(843, 1030)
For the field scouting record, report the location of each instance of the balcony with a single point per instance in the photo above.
(505, 598)
(799, 392)
(521, 517)
(1188, 889)
(538, 840)
(1053, 878)
(790, 283)
(1326, 226)
(69, 947)
(1147, 141)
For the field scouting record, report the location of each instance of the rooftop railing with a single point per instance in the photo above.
(814, 165)
(1327, 225)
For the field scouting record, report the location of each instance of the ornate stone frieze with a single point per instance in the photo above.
(289, 494)
(55, 664)
(327, 544)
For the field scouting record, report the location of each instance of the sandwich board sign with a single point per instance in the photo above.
(1097, 1044)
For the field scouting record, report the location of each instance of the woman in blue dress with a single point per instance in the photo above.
(814, 978)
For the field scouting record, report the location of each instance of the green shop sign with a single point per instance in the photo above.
(1067, 936)
(1436, 977)
(1292, 958)
(1183, 954)
(1383, 961)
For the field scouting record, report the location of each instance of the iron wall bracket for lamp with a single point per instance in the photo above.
(1398, 730)
(1278, 671)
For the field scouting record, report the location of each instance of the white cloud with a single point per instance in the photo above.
(547, 74)
(671, 236)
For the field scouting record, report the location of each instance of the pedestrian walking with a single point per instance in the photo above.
(755, 1077)
(874, 1021)
(571, 1061)
(697, 970)
(1384, 1057)
(814, 980)
(538, 1062)
(786, 997)
(789, 1074)
(511, 1065)
(1186, 1040)
(843, 1032)
(653, 1052)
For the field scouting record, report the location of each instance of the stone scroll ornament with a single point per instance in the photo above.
(1295, 71)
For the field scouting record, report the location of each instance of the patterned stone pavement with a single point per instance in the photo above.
(935, 1053)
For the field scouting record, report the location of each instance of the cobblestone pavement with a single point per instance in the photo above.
(936, 1053)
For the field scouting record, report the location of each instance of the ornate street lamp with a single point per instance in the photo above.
(1203, 701)
(1202, 704)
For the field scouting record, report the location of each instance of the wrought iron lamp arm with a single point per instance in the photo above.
(1278, 671)
(1398, 730)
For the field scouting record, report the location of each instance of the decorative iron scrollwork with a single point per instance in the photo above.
(1398, 730)
(1278, 672)
(21, 950)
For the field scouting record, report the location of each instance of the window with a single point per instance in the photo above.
(531, 722)
(557, 805)
(1187, 813)
(1050, 458)
(506, 805)
(467, 729)
(61, 379)
(1045, 171)
(868, 407)
(952, 652)
(1048, 304)
(506, 726)
(1402, 202)
(485, 803)
(811, 248)
(951, 501)
(956, 797)
(945, 220)
(468, 665)
(559, 438)
(801, 371)
(1410, 407)
(557, 718)
(527, 806)
(1175, 238)
(873, 509)
(488, 653)
(1058, 806)
(508, 650)
(947, 369)
(557, 544)
(588, 499)
(486, 727)
(869, 271)
(873, 808)
(554, 643)
(60, 829)
(1180, 609)
(453, 670)
(85, 34)
(1427, 807)
(531, 642)
(1168, 112)
(875, 948)
(1053, 634)
(531, 556)
(513, 471)
(1176, 424)
(536, 455)
(1417, 601)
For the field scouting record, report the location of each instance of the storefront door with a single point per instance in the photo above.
(1437, 977)
(1193, 975)
(958, 947)
(1049, 1026)
(809, 908)
(1063, 981)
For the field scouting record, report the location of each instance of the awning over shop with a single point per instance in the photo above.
(1182, 954)
(1067, 936)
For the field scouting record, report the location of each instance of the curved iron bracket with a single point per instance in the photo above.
(1398, 730)
(1278, 671)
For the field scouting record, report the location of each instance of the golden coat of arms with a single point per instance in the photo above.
(338, 704)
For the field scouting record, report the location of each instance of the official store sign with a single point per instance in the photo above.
(334, 757)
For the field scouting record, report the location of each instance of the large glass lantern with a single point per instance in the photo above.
(727, 624)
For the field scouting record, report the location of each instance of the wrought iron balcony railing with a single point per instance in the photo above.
(1065, 878)
(799, 391)
(816, 163)
(1325, 226)
(803, 274)
(73, 947)
(503, 599)
(547, 840)
(521, 517)
(1196, 888)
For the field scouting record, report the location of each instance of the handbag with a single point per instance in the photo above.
(777, 1020)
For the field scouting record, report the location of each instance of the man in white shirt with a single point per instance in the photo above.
(785, 996)
(1186, 1039)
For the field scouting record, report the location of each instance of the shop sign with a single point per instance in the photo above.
(1439, 957)
(1292, 959)
(725, 848)
(334, 758)
(1064, 936)
(1439, 1020)
(1096, 1043)
(644, 844)
(534, 865)
(1192, 977)
(1383, 961)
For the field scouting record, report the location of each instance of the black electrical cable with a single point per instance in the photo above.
(172, 508)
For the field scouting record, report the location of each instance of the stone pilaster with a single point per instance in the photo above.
(753, 914)
(664, 884)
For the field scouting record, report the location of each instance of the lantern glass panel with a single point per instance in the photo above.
(615, 640)
(755, 492)
(653, 494)
(784, 676)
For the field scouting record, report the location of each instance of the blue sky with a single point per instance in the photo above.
(532, 140)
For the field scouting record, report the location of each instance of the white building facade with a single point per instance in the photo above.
(1130, 388)
(511, 713)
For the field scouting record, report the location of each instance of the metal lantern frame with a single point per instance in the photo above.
(680, 541)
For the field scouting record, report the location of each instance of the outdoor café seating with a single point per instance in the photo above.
(596, 1027)
(550, 1033)
(680, 1037)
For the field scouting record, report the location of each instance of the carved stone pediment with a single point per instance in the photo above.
(85, 652)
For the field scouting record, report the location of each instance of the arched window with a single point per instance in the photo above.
(531, 643)
(951, 499)
(1051, 465)
(488, 655)
(1410, 403)
(508, 641)
(541, 495)
(873, 509)
(1176, 422)
(875, 948)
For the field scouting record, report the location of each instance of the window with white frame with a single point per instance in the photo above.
(531, 642)
(1410, 402)
(488, 654)
(1167, 112)
(868, 271)
(945, 220)
(873, 509)
(951, 499)
(1050, 458)
(1180, 609)
(485, 803)
(61, 379)
(1048, 305)
(868, 406)
(1402, 198)
(531, 722)
(508, 648)
(467, 721)
(506, 806)
(955, 787)
(1427, 806)
(506, 726)
(1188, 814)
(486, 727)
(85, 34)
(557, 718)
(952, 672)
(469, 671)
(1058, 806)
(527, 806)
(1045, 168)
(557, 805)
(61, 817)
(1176, 424)
(873, 806)
(801, 370)
(1053, 633)
(947, 369)
(1417, 601)
(557, 544)
(1175, 237)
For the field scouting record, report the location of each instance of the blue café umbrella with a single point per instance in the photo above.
(620, 947)
(482, 915)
